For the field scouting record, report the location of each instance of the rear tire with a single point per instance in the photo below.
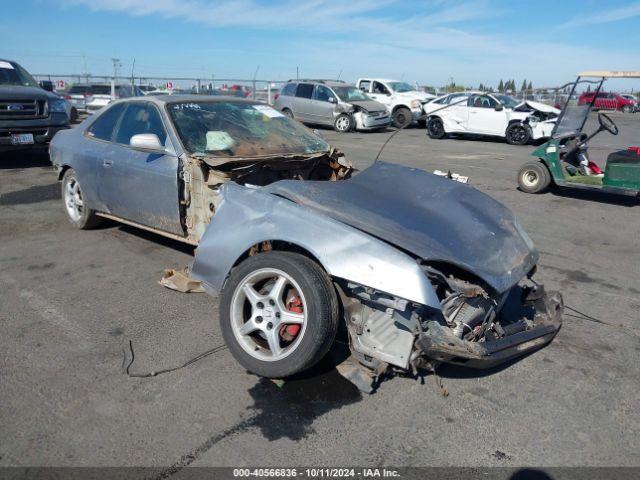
(435, 128)
(260, 346)
(402, 117)
(534, 177)
(287, 112)
(517, 134)
(74, 115)
(78, 213)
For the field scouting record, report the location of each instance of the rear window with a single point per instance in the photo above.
(305, 90)
(101, 89)
(289, 90)
(78, 89)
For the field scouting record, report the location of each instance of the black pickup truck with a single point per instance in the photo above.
(29, 115)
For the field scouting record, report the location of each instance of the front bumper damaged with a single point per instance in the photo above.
(439, 343)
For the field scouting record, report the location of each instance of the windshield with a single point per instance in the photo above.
(13, 74)
(576, 110)
(400, 87)
(234, 129)
(508, 101)
(350, 94)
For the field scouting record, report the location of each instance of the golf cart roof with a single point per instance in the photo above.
(610, 74)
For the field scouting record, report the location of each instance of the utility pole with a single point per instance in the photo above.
(132, 68)
(116, 64)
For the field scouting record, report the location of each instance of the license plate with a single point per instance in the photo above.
(22, 139)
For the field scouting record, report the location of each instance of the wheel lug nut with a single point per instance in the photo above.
(258, 319)
(269, 326)
(260, 305)
(272, 303)
(277, 314)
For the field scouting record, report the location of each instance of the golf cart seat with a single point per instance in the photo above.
(632, 155)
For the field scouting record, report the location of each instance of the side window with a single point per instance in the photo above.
(482, 101)
(380, 88)
(322, 93)
(365, 85)
(289, 90)
(103, 127)
(139, 118)
(305, 90)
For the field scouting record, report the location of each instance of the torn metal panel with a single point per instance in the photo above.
(433, 218)
(247, 216)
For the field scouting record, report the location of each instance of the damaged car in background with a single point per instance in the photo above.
(413, 268)
(492, 114)
(332, 103)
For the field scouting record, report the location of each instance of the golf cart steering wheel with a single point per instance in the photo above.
(607, 124)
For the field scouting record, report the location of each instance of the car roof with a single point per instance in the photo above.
(182, 98)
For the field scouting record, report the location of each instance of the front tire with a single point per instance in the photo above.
(517, 134)
(287, 112)
(343, 123)
(278, 313)
(401, 117)
(627, 109)
(534, 177)
(78, 213)
(435, 128)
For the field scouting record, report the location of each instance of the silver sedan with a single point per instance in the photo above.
(421, 269)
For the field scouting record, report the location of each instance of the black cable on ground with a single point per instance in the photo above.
(584, 316)
(217, 349)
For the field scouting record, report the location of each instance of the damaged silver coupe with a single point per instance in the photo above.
(414, 269)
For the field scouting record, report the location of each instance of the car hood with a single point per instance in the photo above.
(433, 218)
(17, 92)
(369, 105)
(542, 107)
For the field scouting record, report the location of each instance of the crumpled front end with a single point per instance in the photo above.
(474, 326)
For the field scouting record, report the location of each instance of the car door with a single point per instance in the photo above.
(483, 116)
(322, 107)
(139, 185)
(380, 93)
(97, 147)
(456, 115)
(301, 105)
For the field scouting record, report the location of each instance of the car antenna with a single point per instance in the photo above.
(405, 126)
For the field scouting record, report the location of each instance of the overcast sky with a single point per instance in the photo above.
(471, 41)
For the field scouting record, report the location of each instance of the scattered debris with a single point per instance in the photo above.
(453, 176)
(180, 281)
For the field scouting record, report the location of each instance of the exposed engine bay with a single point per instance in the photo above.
(390, 335)
(201, 180)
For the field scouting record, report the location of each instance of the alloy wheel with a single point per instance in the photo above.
(268, 314)
(73, 199)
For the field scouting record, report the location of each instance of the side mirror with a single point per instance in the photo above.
(332, 100)
(147, 142)
(499, 107)
(46, 85)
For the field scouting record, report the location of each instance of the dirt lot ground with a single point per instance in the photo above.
(70, 301)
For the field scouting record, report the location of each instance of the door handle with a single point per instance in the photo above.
(107, 163)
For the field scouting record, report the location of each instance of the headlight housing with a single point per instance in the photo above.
(416, 103)
(58, 106)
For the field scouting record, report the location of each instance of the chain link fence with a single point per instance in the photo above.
(257, 89)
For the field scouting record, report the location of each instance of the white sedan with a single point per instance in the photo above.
(496, 115)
